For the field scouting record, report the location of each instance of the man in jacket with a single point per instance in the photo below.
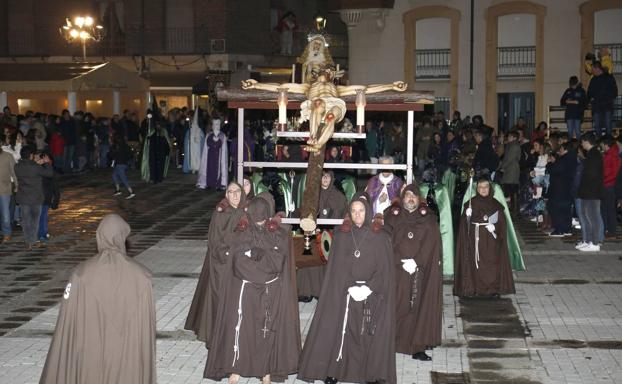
(611, 165)
(602, 92)
(485, 160)
(30, 197)
(510, 168)
(70, 133)
(590, 192)
(7, 179)
(561, 168)
(574, 99)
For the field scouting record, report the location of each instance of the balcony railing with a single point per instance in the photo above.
(432, 63)
(516, 61)
(160, 41)
(616, 56)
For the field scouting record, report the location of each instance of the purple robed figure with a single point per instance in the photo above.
(385, 182)
(248, 147)
(213, 172)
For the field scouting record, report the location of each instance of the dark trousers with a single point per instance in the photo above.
(561, 215)
(30, 222)
(608, 210)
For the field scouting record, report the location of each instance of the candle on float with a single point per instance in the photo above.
(282, 102)
(360, 107)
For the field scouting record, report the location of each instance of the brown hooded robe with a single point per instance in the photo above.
(332, 206)
(256, 330)
(202, 313)
(492, 274)
(369, 356)
(419, 301)
(105, 332)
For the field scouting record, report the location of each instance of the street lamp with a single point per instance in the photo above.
(83, 28)
(320, 22)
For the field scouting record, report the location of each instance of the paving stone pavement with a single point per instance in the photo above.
(563, 325)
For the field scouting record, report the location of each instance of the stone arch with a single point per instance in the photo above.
(492, 40)
(410, 19)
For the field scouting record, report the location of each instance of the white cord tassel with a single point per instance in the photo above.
(477, 245)
(236, 345)
(343, 329)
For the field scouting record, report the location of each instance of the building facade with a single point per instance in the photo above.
(501, 59)
(177, 45)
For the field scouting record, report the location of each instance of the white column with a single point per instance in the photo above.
(241, 146)
(72, 101)
(148, 99)
(4, 99)
(410, 147)
(116, 102)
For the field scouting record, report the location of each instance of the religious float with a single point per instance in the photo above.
(323, 104)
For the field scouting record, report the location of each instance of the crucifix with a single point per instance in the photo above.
(323, 108)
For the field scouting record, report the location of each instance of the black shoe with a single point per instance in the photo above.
(422, 356)
(304, 299)
(330, 380)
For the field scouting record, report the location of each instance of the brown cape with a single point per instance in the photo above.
(202, 313)
(494, 275)
(268, 341)
(416, 235)
(105, 332)
(365, 357)
(332, 206)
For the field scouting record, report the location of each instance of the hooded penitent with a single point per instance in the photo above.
(419, 303)
(105, 332)
(194, 140)
(332, 206)
(352, 340)
(482, 265)
(213, 172)
(257, 330)
(202, 314)
(156, 151)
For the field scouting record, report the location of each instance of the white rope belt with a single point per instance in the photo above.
(236, 345)
(343, 329)
(492, 232)
(345, 323)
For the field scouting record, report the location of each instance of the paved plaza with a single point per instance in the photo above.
(563, 325)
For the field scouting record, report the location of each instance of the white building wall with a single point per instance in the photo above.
(434, 33)
(517, 30)
(608, 26)
(378, 55)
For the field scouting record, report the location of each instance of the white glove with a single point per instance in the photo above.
(491, 229)
(469, 212)
(409, 265)
(359, 293)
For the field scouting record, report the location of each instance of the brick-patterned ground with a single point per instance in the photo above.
(565, 324)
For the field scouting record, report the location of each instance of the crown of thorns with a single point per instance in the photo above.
(314, 36)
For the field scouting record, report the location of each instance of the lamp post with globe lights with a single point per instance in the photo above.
(82, 29)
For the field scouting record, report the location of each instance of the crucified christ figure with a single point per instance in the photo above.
(323, 107)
